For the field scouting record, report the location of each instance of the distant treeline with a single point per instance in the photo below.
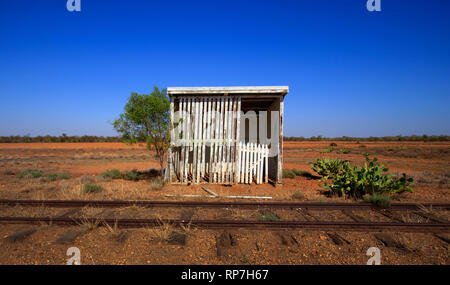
(65, 138)
(424, 138)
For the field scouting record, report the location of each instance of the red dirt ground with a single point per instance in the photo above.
(428, 163)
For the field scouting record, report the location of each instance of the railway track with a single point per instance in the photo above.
(232, 224)
(219, 204)
(429, 227)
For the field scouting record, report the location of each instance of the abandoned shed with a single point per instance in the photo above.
(226, 135)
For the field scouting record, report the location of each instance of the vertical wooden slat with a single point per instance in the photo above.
(252, 167)
(261, 164)
(205, 119)
(208, 138)
(238, 124)
(195, 121)
(213, 144)
(225, 129)
(233, 143)
(219, 161)
(261, 170)
(188, 138)
(257, 152)
(181, 111)
(246, 162)
(230, 142)
(266, 168)
(199, 138)
(217, 137)
(225, 137)
(242, 162)
(237, 178)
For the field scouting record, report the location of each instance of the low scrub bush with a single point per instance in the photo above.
(333, 144)
(134, 175)
(303, 173)
(92, 188)
(157, 183)
(30, 174)
(268, 216)
(287, 173)
(344, 151)
(57, 176)
(382, 201)
(112, 173)
(368, 179)
(328, 150)
(298, 195)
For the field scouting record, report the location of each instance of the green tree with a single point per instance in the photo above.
(146, 118)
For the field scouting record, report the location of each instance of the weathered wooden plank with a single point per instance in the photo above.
(208, 137)
(238, 163)
(224, 150)
(213, 144)
(182, 128)
(266, 160)
(170, 156)
(228, 152)
(221, 125)
(280, 143)
(233, 143)
(195, 160)
(238, 124)
(188, 137)
(217, 137)
(248, 162)
(199, 138)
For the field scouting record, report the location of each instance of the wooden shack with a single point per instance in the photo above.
(226, 135)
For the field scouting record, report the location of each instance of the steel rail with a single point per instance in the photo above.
(252, 225)
(218, 204)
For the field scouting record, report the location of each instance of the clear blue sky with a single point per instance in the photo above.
(351, 72)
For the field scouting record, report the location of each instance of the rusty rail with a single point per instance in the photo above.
(230, 224)
(218, 204)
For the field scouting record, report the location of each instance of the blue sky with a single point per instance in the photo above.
(351, 72)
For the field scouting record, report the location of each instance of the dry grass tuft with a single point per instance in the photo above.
(156, 184)
(238, 214)
(74, 193)
(433, 213)
(89, 224)
(114, 232)
(161, 232)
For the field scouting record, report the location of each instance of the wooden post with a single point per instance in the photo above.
(280, 143)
